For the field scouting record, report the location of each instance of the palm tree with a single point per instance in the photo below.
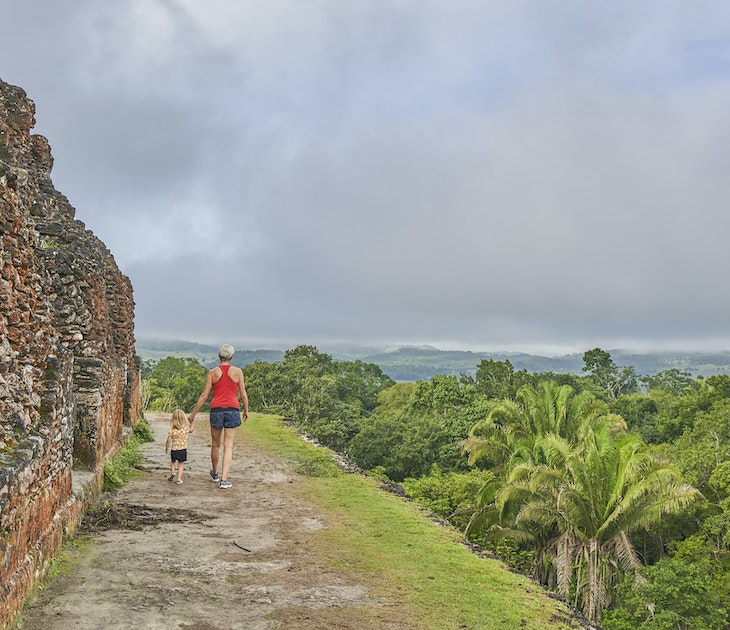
(592, 495)
(574, 485)
(509, 434)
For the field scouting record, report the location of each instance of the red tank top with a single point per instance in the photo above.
(225, 391)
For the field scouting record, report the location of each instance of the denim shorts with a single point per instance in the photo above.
(225, 418)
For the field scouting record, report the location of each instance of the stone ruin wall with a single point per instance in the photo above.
(69, 375)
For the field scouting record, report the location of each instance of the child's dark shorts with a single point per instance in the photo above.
(225, 418)
(179, 456)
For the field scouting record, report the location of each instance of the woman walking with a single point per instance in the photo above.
(227, 384)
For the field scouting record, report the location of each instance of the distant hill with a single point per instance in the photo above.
(207, 355)
(409, 363)
(412, 363)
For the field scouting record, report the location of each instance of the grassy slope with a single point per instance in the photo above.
(391, 544)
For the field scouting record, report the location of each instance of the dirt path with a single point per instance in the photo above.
(198, 557)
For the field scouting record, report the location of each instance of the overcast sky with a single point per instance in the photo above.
(540, 175)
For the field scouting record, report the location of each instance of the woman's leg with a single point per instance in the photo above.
(228, 436)
(215, 447)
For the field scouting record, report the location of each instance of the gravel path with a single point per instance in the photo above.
(198, 557)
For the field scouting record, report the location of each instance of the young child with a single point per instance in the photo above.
(177, 444)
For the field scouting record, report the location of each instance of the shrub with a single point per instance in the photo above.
(123, 466)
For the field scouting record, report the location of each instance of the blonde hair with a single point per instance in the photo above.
(179, 420)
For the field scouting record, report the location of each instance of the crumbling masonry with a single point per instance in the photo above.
(69, 377)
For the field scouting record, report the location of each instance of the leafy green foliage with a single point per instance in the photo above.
(703, 447)
(672, 380)
(418, 425)
(672, 595)
(173, 383)
(143, 432)
(498, 379)
(403, 445)
(575, 485)
(509, 432)
(451, 496)
(124, 465)
(327, 399)
(710, 545)
(609, 378)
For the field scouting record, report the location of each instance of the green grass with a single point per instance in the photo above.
(64, 561)
(392, 544)
(124, 465)
(281, 439)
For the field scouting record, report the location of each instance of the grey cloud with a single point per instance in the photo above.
(493, 174)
